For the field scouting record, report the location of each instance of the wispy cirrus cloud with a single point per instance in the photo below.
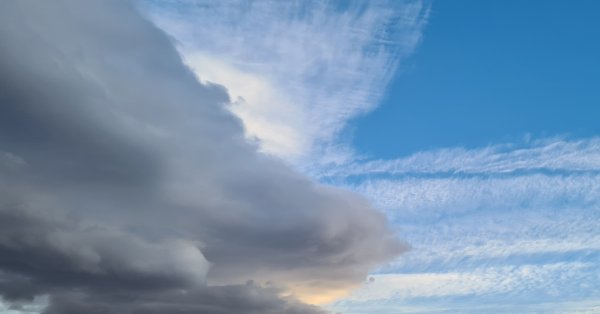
(476, 282)
(523, 289)
(550, 173)
(477, 219)
(501, 237)
(430, 198)
(544, 155)
(297, 71)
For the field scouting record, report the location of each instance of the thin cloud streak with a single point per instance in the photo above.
(476, 282)
(526, 286)
(546, 155)
(423, 198)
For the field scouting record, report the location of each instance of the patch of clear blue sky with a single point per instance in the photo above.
(492, 71)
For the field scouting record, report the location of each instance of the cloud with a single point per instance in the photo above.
(298, 70)
(550, 173)
(430, 198)
(482, 281)
(545, 155)
(507, 221)
(219, 300)
(476, 290)
(127, 186)
(502, 237)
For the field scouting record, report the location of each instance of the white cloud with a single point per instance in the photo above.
(549, 173)
(552, 154)
(498, 202)
(428, 198)
(512, 219)
(545, 288)
(506, 279)
(297, 71)
(500, 238)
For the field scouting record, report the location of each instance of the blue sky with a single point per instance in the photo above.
(380, 156)
(489, 72)
(494, 94)
(474, 128)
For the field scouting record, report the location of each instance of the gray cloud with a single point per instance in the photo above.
(123, 180)
(247, 299)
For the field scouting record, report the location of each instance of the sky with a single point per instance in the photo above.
(491, 72)
(195, 156)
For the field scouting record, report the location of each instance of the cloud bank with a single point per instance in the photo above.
(126, 187)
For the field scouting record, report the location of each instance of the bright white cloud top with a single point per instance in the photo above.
(297, 71)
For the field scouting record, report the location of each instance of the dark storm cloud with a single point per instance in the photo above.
(237, 299)
(123, 180)
(58, 252)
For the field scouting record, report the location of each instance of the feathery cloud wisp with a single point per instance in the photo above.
(505, 221)
(298, 71)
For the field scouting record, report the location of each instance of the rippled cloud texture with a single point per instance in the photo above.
(126, 187)
(507, 228)
(298, 71)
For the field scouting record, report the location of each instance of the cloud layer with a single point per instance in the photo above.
(514, 222)
(126, 186)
